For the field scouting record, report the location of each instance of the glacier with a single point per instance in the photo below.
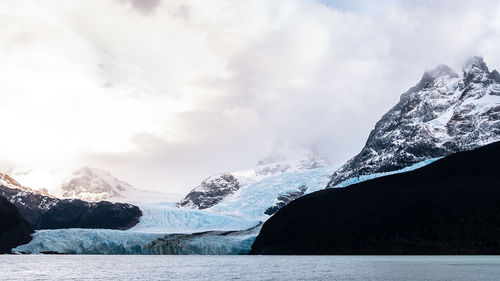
(206, 243)
(116, 242)
(159, 220)
(87, 241)
(363, 178)
(167, 218)
(252, 200)
(229, 227)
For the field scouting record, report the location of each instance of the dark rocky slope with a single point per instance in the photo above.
(14, 230)
(47, 212)
(211, 191)
(451, 206)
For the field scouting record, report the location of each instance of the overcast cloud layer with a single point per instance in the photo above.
(164, 93)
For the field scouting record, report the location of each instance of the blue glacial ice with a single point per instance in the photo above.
(158, 220)
(363, 178)
(252, 200)
(106, 241)
(87, 241)
(167, 218)
(166, 229)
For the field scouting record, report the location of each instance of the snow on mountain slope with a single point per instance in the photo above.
(251, 201)
(363, 178)
(94, 184)
(287, 159)
(216, 188)
(167, 218)
(443, 114)
(211, 191)
(7, 181)
(254, 200)
(192, 231)
(89, 184)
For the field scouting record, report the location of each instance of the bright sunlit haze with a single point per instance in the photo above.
(162, 94)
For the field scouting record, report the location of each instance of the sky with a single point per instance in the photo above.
(164, 93)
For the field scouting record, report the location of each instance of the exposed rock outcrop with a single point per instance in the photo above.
(443, 114)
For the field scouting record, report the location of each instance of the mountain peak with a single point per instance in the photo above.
(94, 184)
(289, 158)
(475, 63)
(211, 191)
(430, 76)
(443, 114)
(440, 70)
(476, 71)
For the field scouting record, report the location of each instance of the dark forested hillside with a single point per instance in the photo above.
(14, 230)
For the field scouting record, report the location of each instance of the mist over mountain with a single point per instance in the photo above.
(444, 113)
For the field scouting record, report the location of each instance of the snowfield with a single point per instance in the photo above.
(363, 178)
(252, 200)
(167, 218)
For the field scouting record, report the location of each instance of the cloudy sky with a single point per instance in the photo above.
(164, 93)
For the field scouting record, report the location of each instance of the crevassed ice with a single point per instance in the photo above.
(252, 200)
(166, 218)
(240, 211)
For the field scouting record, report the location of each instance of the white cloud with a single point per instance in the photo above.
(163, 93)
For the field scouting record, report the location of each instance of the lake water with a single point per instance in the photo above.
(387, 268)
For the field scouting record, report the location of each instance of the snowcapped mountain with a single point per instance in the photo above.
(211, 191)
(443, 114)
(93, 184)
(43, 211)
(87, 183)
(216, 188)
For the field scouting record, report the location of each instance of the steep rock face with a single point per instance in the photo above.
(211, 191)
(451, 206)
(284, 199)
(47, 212)
(14, 230)
(93, 185)
(443, 114)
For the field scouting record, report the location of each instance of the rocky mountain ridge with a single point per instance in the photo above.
(286, 159)
(443, 114)
(43, 211)
(92, 184)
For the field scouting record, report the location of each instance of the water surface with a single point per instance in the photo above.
(387, 268)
